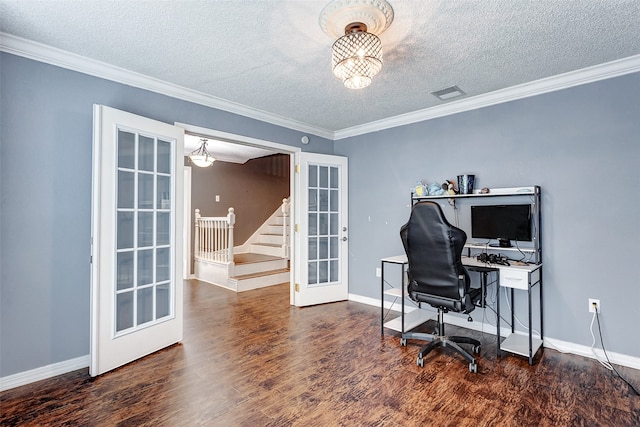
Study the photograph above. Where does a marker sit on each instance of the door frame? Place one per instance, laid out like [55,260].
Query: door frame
[261,143]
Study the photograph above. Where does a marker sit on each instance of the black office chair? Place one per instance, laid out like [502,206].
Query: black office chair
[437,276]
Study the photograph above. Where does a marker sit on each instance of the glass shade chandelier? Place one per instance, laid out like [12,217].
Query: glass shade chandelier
[201,157]
[356,55]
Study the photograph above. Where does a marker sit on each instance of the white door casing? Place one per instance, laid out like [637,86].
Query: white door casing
[137,216]
[322,229]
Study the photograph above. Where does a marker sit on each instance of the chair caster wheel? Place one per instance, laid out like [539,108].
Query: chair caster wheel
[420,362]
[476,349]
[403,342]
[473,368]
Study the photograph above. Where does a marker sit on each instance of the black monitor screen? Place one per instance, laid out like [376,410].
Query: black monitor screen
[501,222]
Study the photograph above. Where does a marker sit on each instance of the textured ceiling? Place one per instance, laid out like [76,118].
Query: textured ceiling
[271,55]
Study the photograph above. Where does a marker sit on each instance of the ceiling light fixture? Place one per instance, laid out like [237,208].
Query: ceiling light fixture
[357,55]
[201,156]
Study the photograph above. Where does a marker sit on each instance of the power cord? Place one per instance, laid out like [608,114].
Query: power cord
[607,364]
[506,297]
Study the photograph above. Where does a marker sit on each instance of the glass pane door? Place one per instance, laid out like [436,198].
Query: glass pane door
[143,291]
[323,225]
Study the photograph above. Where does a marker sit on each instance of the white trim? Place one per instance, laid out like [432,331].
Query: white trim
[50,55]
[71,61]
[550,84]
[44,372]
[487,328]
[237,139]
[186,233]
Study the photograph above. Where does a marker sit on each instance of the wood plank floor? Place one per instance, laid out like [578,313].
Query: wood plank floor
[250,359]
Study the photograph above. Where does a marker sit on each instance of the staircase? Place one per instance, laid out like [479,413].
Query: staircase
[261,261]
[255,270]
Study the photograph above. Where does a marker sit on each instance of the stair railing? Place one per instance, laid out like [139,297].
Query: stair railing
[285,241]
[213,239]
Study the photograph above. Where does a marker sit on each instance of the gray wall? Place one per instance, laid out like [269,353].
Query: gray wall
[581,145]
[45,185]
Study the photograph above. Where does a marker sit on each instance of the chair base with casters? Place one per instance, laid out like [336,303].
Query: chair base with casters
[441,340]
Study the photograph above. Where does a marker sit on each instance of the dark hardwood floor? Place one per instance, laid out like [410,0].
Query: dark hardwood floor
[252,360]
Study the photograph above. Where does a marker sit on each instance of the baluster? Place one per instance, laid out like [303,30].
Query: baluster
[210,239]
[284,228]
[231,219]
[196,244]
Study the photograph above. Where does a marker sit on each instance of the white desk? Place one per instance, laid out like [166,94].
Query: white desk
[518,277]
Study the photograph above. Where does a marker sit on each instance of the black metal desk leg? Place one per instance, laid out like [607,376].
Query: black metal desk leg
[402,296]
[513,313]
[540,301]
[498,316]
[530,329]
[382,298]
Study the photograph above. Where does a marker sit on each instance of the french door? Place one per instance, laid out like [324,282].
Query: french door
[136,273]
[322,218]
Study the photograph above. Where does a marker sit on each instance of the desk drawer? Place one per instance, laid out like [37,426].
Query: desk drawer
[513,278]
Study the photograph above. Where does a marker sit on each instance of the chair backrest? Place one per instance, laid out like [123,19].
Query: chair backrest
[434,248]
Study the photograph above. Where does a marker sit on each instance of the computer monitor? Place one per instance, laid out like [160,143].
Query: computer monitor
[501,222]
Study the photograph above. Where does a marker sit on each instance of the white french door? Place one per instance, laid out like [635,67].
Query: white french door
[322,218]
[136,273]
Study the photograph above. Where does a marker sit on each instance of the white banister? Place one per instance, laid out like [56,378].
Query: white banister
[213,240]
[285,211]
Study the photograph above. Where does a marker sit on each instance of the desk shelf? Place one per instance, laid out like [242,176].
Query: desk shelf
[493,192]
[519,344]
[412,319]
[396,292]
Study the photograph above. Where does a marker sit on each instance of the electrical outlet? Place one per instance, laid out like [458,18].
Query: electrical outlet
[378,272]
[596,302]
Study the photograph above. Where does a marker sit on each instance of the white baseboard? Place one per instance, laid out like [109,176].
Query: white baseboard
[562,346]
[44,372]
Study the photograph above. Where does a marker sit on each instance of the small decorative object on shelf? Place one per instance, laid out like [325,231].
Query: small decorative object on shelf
[465,184]
[449,187]
[420,189]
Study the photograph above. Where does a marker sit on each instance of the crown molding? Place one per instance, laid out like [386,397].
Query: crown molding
[60,58]
[595,73]
[50,55]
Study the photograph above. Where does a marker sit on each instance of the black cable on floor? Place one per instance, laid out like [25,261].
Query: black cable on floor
[608,361]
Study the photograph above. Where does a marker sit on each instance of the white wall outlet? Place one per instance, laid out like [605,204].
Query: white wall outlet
[217,197]
[378,272]
[596,302]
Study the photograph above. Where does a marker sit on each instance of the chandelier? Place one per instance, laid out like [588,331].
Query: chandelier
[201,157]
[356,55]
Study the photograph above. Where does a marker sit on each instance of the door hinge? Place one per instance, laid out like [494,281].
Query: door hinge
[297,287]
[297,168]
[297,228]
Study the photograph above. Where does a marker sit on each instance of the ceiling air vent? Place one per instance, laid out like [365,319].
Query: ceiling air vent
[448,93]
